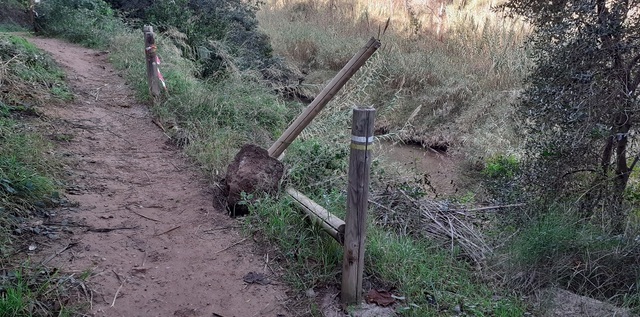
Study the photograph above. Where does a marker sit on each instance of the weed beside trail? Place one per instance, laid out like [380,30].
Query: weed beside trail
[29,180]
[27,167]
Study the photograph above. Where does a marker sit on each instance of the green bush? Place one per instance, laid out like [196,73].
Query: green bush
[500,177]
[89,22]
[316,167]
[215,33]
[501,167]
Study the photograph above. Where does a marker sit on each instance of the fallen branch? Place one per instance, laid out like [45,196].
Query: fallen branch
[231,246]
[495,207]
[146,217]
[174,228]
[117,292]
[69,246]
[102,230]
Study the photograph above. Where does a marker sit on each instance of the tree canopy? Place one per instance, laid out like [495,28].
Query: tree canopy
[580,110]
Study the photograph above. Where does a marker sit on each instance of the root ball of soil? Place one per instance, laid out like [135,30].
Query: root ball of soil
[253,172]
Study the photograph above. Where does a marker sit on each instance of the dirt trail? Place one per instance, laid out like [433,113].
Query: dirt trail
[180,257]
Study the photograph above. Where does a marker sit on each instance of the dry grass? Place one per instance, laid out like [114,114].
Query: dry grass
[451,225]
[447,78]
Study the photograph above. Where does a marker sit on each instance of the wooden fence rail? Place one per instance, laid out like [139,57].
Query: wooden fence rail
[333,225]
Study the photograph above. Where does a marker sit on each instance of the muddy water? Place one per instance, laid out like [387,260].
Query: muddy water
[435,170]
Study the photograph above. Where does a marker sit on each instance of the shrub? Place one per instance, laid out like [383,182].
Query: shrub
[560,249]
[316,167]
[215,32]
[89,22]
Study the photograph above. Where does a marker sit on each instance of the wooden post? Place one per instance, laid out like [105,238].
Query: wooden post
[357,204]
[32,15]
[152,67]
[333,225]
[323,98]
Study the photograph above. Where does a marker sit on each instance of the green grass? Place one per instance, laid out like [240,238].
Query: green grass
[27,167]
[431,279]
[560,248]
[14,301]
[216,117]
[29,180]
[31,77]
[31,291]
[11,27]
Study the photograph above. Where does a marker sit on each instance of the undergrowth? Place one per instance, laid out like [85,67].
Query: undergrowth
[29,179]
[27,167]
[430,279]
[13,16]
[559,248]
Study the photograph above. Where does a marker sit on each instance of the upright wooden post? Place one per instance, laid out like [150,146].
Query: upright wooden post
[32,15]
[152,65]
[357,204]
[303,120]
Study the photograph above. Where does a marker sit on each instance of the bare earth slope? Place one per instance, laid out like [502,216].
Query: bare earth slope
[174,254]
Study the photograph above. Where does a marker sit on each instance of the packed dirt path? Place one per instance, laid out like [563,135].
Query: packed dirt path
[171,253]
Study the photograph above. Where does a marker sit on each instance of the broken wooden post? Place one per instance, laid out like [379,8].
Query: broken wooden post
[150,50]
[323,98]
[333,225]
[357,204]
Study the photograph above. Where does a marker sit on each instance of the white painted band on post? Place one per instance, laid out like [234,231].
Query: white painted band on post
[362,139]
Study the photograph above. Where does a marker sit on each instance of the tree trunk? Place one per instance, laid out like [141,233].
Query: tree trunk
[622,172]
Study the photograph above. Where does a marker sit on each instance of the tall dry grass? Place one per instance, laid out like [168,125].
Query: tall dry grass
[446,75]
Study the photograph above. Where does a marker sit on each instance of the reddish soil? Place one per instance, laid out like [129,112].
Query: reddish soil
[174,254]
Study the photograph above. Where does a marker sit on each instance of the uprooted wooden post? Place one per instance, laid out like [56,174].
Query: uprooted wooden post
[357,205]
[265,170]
[305,118]
[150,51]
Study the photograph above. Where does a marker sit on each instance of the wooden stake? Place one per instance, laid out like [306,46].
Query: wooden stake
[357,204]
[32,15]
[333,225]
[152,67]
[305,118]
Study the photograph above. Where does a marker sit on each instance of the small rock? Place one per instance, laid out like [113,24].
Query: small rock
[310,293]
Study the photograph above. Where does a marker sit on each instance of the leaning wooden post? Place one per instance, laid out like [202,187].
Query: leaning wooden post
[323,98]
[357,204]
[152,66]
